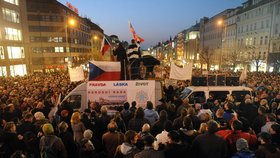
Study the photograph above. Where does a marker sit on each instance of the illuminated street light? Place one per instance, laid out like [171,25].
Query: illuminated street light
[71,22]
[220,22]
[95,37]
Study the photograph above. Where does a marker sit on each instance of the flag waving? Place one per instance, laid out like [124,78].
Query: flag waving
[105,46]
[104,71]
[135,36]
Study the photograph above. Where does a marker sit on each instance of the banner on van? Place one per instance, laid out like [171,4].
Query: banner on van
[115,93]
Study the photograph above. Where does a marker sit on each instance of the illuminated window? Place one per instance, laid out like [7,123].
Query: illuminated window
[2,55]
[3,71]
[18,70]
[15,52]
[13,34]
[10,15]
[58,49]
[15,2]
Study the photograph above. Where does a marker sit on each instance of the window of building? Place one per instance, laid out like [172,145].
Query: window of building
[255,26]
[15,52]
[276,31]
[10,15]
[265,39]
[18,70]
[3,71]
[261,40]
[58,49]
[13,34]
[262,25]
[2,55]
[267,24]
[15,2]
[254,41]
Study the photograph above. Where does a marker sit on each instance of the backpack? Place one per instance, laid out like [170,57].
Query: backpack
[47,148]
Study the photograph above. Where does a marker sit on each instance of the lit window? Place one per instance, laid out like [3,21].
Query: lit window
[3,71]
[10,15]
[13,34]
[15,2]
[58,49]
[15,52]
[18,70]
[2,55]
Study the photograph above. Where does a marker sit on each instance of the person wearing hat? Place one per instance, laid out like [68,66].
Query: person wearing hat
[243,149]
[149,151]
[51,145]
[266,149]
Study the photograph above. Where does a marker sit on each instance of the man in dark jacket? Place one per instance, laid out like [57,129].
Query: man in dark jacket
[149,151]
[209,143]
[120,52]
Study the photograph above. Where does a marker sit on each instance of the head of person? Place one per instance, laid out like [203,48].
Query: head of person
[274,129]
[149,140]
[133,41]
[88,134]
[146,127]
[150,105]
[236,125]
[187,123]
[112,126]
[62,127]
[271,117]
[39,116]
[126,105]
[76,117]
[130,137]
[212,126]
[174,137]
[264,138]
[242,144]
[104,110]
[163,115]
[10,127]
[133,104]
[48,129]
[139,113]
[261,110]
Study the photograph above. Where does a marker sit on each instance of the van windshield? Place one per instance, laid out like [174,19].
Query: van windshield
[240,95]
[185,93]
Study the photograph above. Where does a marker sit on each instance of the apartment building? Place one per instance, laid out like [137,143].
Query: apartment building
[13,59]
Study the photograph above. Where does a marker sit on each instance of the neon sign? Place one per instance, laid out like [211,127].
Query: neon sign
[70,6]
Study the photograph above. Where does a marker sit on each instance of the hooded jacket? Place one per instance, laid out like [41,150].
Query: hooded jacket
[126,150]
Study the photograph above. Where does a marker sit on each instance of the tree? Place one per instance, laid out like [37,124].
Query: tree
[205,57]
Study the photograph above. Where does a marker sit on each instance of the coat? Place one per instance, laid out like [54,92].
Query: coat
[149,153]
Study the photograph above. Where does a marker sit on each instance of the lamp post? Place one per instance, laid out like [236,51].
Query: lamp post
[71,22]
[221,23]
[1,55]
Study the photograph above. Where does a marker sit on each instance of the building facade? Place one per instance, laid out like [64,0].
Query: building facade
[13,55]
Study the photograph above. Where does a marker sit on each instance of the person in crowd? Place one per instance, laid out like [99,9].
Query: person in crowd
[87,149]
[162,138]
[203,144]
[216,106]
[67,139]
[150,114]
[203,128]
[134,56]
[51,145]
[242,148]
[102,121]
[98,148]
[149,151]
[175,147]
[39,121]
[159,125]
[229,114]
[205,109]
[248,110]
[144,132]
[178,122]
[270,120]
[127,149]
[185,105]
[260,120]
[266,149]
[133,107]
[77,126]
[169,93]
[275,134]
[26,124]
[112,139]
[10,140]
[138,121]
[195,120]
[120,122]
[126,114]
[188,133]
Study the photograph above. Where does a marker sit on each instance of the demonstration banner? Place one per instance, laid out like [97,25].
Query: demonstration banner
[115,93]
[76,74]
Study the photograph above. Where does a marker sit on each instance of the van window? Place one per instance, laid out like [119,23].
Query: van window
[197,97]
[75,101]
[221,95]
[239,95]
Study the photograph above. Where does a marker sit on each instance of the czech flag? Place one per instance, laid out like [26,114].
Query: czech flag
[105,45]
[104,71]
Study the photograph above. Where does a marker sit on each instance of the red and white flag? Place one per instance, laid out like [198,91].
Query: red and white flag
[105,45]
[104,71]
[135,36]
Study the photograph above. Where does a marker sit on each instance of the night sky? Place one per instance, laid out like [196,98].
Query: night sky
[153,20]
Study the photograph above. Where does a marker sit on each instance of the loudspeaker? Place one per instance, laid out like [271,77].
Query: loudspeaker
[212,80]
[221,80]
[232,81]
[199,81]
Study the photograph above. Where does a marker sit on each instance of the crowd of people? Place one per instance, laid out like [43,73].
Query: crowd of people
[29,127]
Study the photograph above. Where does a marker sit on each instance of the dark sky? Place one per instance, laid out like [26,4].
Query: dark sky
[153,20]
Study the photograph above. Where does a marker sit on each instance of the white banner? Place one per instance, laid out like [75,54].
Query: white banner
[115,93]
[178,73]
[76,74]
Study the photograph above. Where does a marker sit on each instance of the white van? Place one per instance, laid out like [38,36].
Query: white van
[114,93]
[199,94]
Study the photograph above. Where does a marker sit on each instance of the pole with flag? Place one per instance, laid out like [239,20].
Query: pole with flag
[105,45]
[132,31]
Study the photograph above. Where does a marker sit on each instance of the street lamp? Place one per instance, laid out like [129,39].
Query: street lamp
[221,23]
[71,22]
